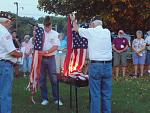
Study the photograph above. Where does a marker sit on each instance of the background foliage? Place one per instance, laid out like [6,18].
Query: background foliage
[128,15]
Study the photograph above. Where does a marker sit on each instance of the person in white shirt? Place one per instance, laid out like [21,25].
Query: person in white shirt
[100,68]
[27,61]
[51,44]
[8,56]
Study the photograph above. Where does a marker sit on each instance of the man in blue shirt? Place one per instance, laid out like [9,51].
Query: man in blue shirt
[61,53]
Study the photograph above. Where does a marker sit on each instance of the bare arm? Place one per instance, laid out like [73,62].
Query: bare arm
[113,46]
[125,48]
[50,51]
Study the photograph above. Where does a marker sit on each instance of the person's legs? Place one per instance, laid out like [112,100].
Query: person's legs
[63,56]
[141,69]
[117,61]
[124,62]
[58,65]
[106,88]
[142,62]
[148,69]
[53,76]
[135,62]
[95,87]
[25,66]
[148,61]
[43,82]
[117,71]
[123,71]
[135,69]
[29,64]
[6,82]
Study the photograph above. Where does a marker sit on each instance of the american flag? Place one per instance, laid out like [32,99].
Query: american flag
[37,58]
[76,51]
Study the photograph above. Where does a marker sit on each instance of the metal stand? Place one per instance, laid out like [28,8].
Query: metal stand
[58,94]
[70,96]
[76,95]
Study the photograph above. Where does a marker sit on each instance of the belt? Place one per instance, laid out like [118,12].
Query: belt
[47,57]
[8,61]
[103,62]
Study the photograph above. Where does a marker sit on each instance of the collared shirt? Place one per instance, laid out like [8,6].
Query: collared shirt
[120,43]
[6,45]
[147,40]
[99,43]
[51,39]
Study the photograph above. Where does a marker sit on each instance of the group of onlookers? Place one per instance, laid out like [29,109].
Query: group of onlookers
[27,44]
[120,44]
[140,52]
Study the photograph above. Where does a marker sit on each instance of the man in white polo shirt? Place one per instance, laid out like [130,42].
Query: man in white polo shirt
[8,56]
[100,69]
[51,44]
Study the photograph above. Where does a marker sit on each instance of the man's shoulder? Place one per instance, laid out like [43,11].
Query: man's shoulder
[4,33]
[54,32]
[106,30]
[3,30]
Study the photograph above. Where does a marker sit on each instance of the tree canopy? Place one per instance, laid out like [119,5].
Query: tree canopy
[128,15]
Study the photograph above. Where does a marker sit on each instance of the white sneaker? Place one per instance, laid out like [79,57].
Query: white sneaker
[24,75]
[60,103]
[148,71]
[44,102]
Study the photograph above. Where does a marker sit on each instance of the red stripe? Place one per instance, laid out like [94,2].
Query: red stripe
[80,59]
[69,46]
[75,52]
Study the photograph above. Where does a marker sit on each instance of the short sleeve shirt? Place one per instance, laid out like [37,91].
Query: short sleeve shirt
[6,45]
[147,40]
[51,39]
[99,43]
[120,43]
[138,44]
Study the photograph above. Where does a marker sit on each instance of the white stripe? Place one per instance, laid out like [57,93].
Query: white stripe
[35,68]
[77,59]
[83,58]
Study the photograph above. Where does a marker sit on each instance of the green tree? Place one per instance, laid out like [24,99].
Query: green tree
[128,15]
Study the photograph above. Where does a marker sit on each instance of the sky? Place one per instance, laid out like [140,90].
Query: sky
[27,8]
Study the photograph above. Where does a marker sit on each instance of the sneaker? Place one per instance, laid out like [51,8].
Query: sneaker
[60,103]
[148,71]
[44,102]
[25,75]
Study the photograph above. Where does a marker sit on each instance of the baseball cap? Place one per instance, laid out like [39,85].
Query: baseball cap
[4,16]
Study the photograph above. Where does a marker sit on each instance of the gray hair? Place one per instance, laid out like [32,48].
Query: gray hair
[139,32]
[97,22]
[27,37]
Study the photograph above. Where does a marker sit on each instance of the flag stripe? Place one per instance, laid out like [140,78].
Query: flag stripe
[76,51]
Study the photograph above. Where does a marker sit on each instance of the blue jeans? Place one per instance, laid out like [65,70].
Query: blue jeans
[27,61]
[6,82]
[50,65]
[100,81]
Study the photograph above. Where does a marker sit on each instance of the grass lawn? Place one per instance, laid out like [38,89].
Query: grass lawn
[129,96]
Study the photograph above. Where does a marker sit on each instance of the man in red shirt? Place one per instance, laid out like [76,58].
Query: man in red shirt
[120,46]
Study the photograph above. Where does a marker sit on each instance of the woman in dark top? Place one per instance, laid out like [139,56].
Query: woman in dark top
[17,45]
[15,39]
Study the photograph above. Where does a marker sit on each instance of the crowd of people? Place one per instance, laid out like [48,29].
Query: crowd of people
[101,52]
[140,53]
